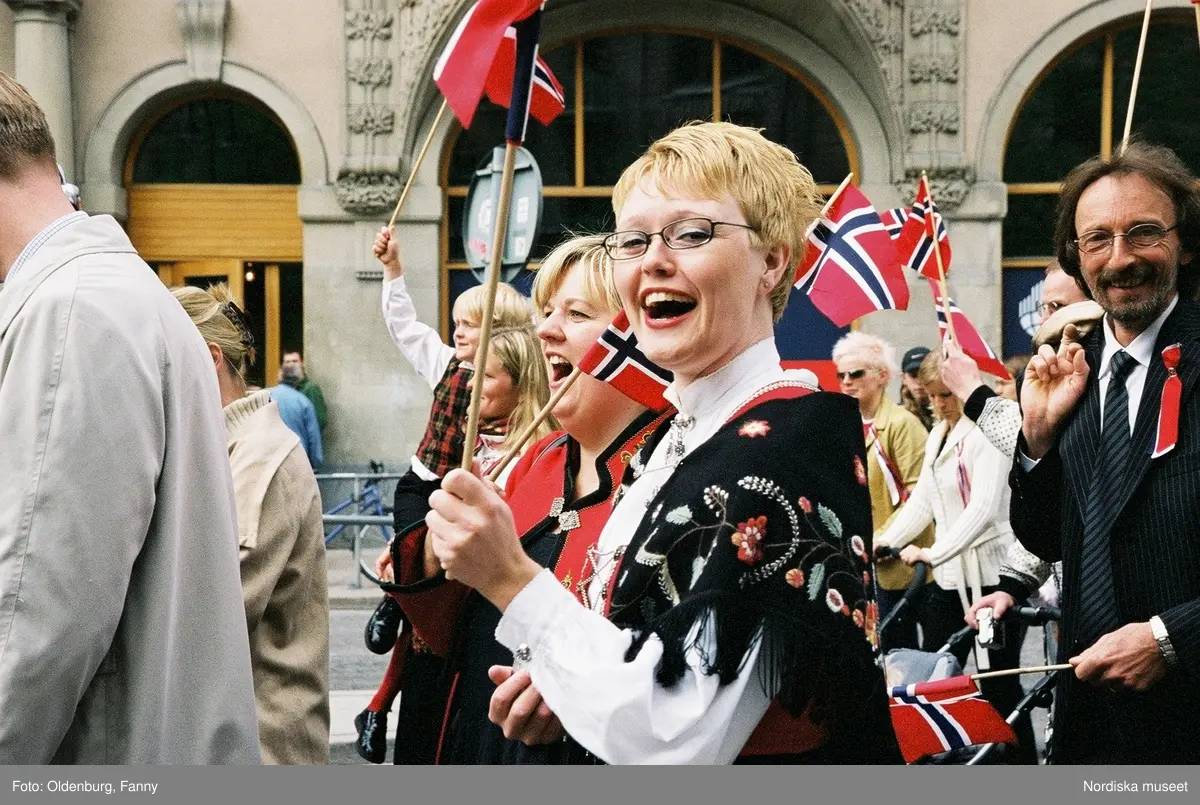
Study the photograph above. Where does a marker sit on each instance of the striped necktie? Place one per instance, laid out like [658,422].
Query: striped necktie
[1097,601]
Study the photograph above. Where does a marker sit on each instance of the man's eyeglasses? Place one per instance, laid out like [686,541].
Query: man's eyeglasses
[1141,236]
[686,234]
[857,374]
[1049,308]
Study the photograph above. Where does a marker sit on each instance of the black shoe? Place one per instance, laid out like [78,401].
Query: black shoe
[372,736]
[383,626]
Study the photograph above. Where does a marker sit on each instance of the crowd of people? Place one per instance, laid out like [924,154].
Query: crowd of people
[700,584]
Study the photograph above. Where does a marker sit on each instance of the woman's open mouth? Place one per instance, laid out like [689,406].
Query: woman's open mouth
[664,306]
[559,368]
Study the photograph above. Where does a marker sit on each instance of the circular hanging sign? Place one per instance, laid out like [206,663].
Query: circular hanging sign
[524,216]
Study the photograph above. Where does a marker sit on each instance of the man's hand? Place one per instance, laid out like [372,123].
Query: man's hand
[383,565]
[999,603]
[517,707]
[959,372]
[1127,659]
[387,250]
[475,540]
[1054,384]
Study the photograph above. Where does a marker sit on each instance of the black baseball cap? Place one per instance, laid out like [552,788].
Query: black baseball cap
[912,359]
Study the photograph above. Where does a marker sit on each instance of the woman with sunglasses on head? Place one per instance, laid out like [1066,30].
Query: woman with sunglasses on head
[895,450]
[727,611]
[560,492]
[963,491]
[281,542]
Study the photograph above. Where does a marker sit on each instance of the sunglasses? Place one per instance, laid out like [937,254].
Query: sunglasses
[857,374]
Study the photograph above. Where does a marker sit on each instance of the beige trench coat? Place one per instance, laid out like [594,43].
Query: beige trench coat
[122,633]
[284,580]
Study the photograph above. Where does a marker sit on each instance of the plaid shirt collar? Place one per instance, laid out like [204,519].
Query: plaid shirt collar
[40,240]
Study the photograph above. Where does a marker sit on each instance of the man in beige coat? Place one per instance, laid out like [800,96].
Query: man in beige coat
[122,634]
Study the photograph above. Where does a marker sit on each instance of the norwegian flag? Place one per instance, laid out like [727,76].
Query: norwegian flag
[616,360]
[893,220]
[934,717]
[546,100]
[850,267]
[915,242]
[463,70]
[968,337]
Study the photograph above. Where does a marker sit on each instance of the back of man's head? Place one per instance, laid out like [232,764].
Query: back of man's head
[25,138]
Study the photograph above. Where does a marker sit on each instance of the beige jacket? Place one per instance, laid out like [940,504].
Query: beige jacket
[901,436]
[283,581]
[122,635]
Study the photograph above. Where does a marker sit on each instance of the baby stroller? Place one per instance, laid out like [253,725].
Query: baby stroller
[938,713]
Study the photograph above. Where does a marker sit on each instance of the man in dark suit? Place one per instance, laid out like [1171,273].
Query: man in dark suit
[1098,481]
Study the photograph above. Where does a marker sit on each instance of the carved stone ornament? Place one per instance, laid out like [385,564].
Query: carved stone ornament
[934,19]
[203,26]
[366,192]
[371,119]
[949,186]
[941,67]
[933,116]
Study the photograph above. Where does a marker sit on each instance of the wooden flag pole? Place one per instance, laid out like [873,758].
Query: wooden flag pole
[937,255]
[829,204]
[1196,6]
[489,301]
[1137,73]
[1036,669]
[417,165]
[514,450]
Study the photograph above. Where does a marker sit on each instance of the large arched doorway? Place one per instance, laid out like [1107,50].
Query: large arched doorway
[212,184]
[623,92]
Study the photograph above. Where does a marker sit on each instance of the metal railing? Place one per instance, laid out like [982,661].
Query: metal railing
[366,510]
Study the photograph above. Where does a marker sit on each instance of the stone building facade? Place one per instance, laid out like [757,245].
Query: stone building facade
[907,85]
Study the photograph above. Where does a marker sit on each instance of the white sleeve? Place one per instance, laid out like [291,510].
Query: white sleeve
[615,708]
[989,479]
[419,343]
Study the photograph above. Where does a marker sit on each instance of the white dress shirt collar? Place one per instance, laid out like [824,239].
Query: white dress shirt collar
[1141,349]
[710,395]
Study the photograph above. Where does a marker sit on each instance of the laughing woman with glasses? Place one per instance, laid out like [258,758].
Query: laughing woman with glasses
[727,613]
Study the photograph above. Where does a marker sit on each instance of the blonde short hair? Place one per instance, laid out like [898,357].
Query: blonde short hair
[509,310]
[520,354]
[930,370]
[870,349]
[210,311]
[24,133]
[586,251]
[777,195]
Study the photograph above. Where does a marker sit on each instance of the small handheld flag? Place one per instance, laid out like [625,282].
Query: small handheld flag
[968,337]
[616,359]
[893,220]
[463,69]
[915,242]
[1167,433]
[935,717]
[850,267]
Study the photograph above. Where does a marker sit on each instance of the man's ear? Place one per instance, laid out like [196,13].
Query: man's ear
[1185,258]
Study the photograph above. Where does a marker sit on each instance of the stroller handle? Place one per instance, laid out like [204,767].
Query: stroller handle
[1038,616]
[920,574]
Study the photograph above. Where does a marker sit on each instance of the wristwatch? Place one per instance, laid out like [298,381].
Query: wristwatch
[1159,630]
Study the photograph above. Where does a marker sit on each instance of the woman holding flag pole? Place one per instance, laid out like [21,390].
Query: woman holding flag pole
[727,609]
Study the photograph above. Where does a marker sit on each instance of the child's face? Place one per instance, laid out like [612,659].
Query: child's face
[500,394]
[466,339]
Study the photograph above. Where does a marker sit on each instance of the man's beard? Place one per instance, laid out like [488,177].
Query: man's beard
[1136,312]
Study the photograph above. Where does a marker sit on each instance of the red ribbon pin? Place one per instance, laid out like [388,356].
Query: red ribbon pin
[1168,411]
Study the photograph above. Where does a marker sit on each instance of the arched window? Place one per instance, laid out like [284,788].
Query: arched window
[623,92]
[215,141]
[1076,110]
